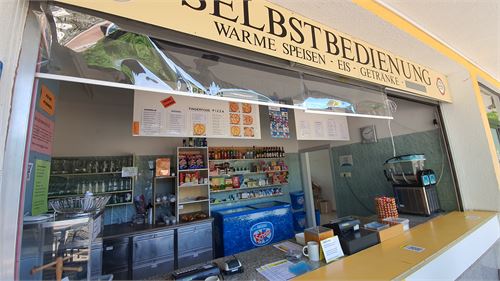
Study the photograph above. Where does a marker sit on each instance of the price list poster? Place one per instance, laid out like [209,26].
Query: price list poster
[41,139]
[193,117]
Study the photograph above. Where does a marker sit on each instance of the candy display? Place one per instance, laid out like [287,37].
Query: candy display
[191,160]
[186,178]
[193,216]
[386,207]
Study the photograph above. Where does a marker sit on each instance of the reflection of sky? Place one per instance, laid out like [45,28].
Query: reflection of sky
[326,103]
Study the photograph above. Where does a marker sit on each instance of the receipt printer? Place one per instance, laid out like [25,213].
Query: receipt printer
[343,226]
[232,266]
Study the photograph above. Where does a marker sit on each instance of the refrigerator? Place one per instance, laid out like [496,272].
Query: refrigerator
[246,227]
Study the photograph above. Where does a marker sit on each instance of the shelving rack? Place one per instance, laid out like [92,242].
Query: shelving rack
[167,204]
[192,198]
[73,176]
[246,173]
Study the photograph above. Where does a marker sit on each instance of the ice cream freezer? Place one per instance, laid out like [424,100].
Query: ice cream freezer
[244,228]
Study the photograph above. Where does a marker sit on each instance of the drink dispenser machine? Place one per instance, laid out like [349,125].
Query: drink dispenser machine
[414,186]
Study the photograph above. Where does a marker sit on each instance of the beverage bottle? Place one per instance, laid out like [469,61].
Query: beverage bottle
[150,212]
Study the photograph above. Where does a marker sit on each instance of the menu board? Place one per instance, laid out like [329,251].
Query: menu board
[313,126]
[193,117]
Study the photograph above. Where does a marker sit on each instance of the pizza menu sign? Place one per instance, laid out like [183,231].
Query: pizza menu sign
[188,117]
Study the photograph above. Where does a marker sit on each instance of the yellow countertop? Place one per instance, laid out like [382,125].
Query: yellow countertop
[388,260]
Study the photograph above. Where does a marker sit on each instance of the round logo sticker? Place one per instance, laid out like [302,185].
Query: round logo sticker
[440,86]
[261,233]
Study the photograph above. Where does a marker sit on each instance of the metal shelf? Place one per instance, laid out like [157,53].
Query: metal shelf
[194,201]
[164,177]
[246,159]
[193,185]
[119,204]
[244,188]
[246,199]
[100,193]
[86,174]
[247,173]
[193,170]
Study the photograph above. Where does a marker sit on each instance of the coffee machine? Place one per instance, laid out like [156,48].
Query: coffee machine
[414,187]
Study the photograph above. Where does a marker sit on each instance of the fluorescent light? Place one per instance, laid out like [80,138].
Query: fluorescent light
[348,114]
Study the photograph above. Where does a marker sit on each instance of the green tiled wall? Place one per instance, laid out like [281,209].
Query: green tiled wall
[368,180]
[125,213]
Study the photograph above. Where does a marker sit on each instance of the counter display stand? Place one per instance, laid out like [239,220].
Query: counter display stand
[72,176]
[193,189]
[246,173]
[164,199]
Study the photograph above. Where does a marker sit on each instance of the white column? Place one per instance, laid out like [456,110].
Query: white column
[12,20]
[478,183]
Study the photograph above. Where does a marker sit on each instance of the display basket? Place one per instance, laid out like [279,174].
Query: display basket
[80,205]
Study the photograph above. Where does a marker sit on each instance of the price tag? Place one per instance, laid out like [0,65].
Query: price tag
[129,172]
[331,248]
[414,248]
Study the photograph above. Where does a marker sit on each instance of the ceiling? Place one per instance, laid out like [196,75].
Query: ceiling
[470,27]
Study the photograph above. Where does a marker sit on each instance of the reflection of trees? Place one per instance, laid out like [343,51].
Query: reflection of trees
[70,24]
[203,64]
[118,46]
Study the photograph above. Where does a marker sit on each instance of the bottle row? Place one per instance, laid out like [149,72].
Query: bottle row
[77,187]
[89,165]
[246,195]
[246,153]
[194,142]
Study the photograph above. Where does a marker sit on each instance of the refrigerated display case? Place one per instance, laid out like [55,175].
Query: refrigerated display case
[244,228]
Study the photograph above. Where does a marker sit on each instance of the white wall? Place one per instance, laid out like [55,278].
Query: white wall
[478,183]
[99,121]
[321,174]
[12,19]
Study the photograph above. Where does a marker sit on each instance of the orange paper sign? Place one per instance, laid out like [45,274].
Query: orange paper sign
[168,102]
[135,128]
[47,101]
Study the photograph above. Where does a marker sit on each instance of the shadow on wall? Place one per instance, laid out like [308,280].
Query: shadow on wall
[355,195]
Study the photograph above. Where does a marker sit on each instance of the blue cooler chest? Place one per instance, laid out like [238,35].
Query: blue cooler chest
[244,228]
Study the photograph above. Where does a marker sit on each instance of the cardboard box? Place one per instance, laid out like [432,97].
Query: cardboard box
[317,234]
[403,221]
[324,206]
[394,230]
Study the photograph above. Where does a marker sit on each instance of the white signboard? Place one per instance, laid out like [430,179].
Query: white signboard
[331,248]
[312,126]
[158,114]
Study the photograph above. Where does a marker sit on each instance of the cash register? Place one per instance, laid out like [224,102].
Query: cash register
[352,238]
[196,273]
